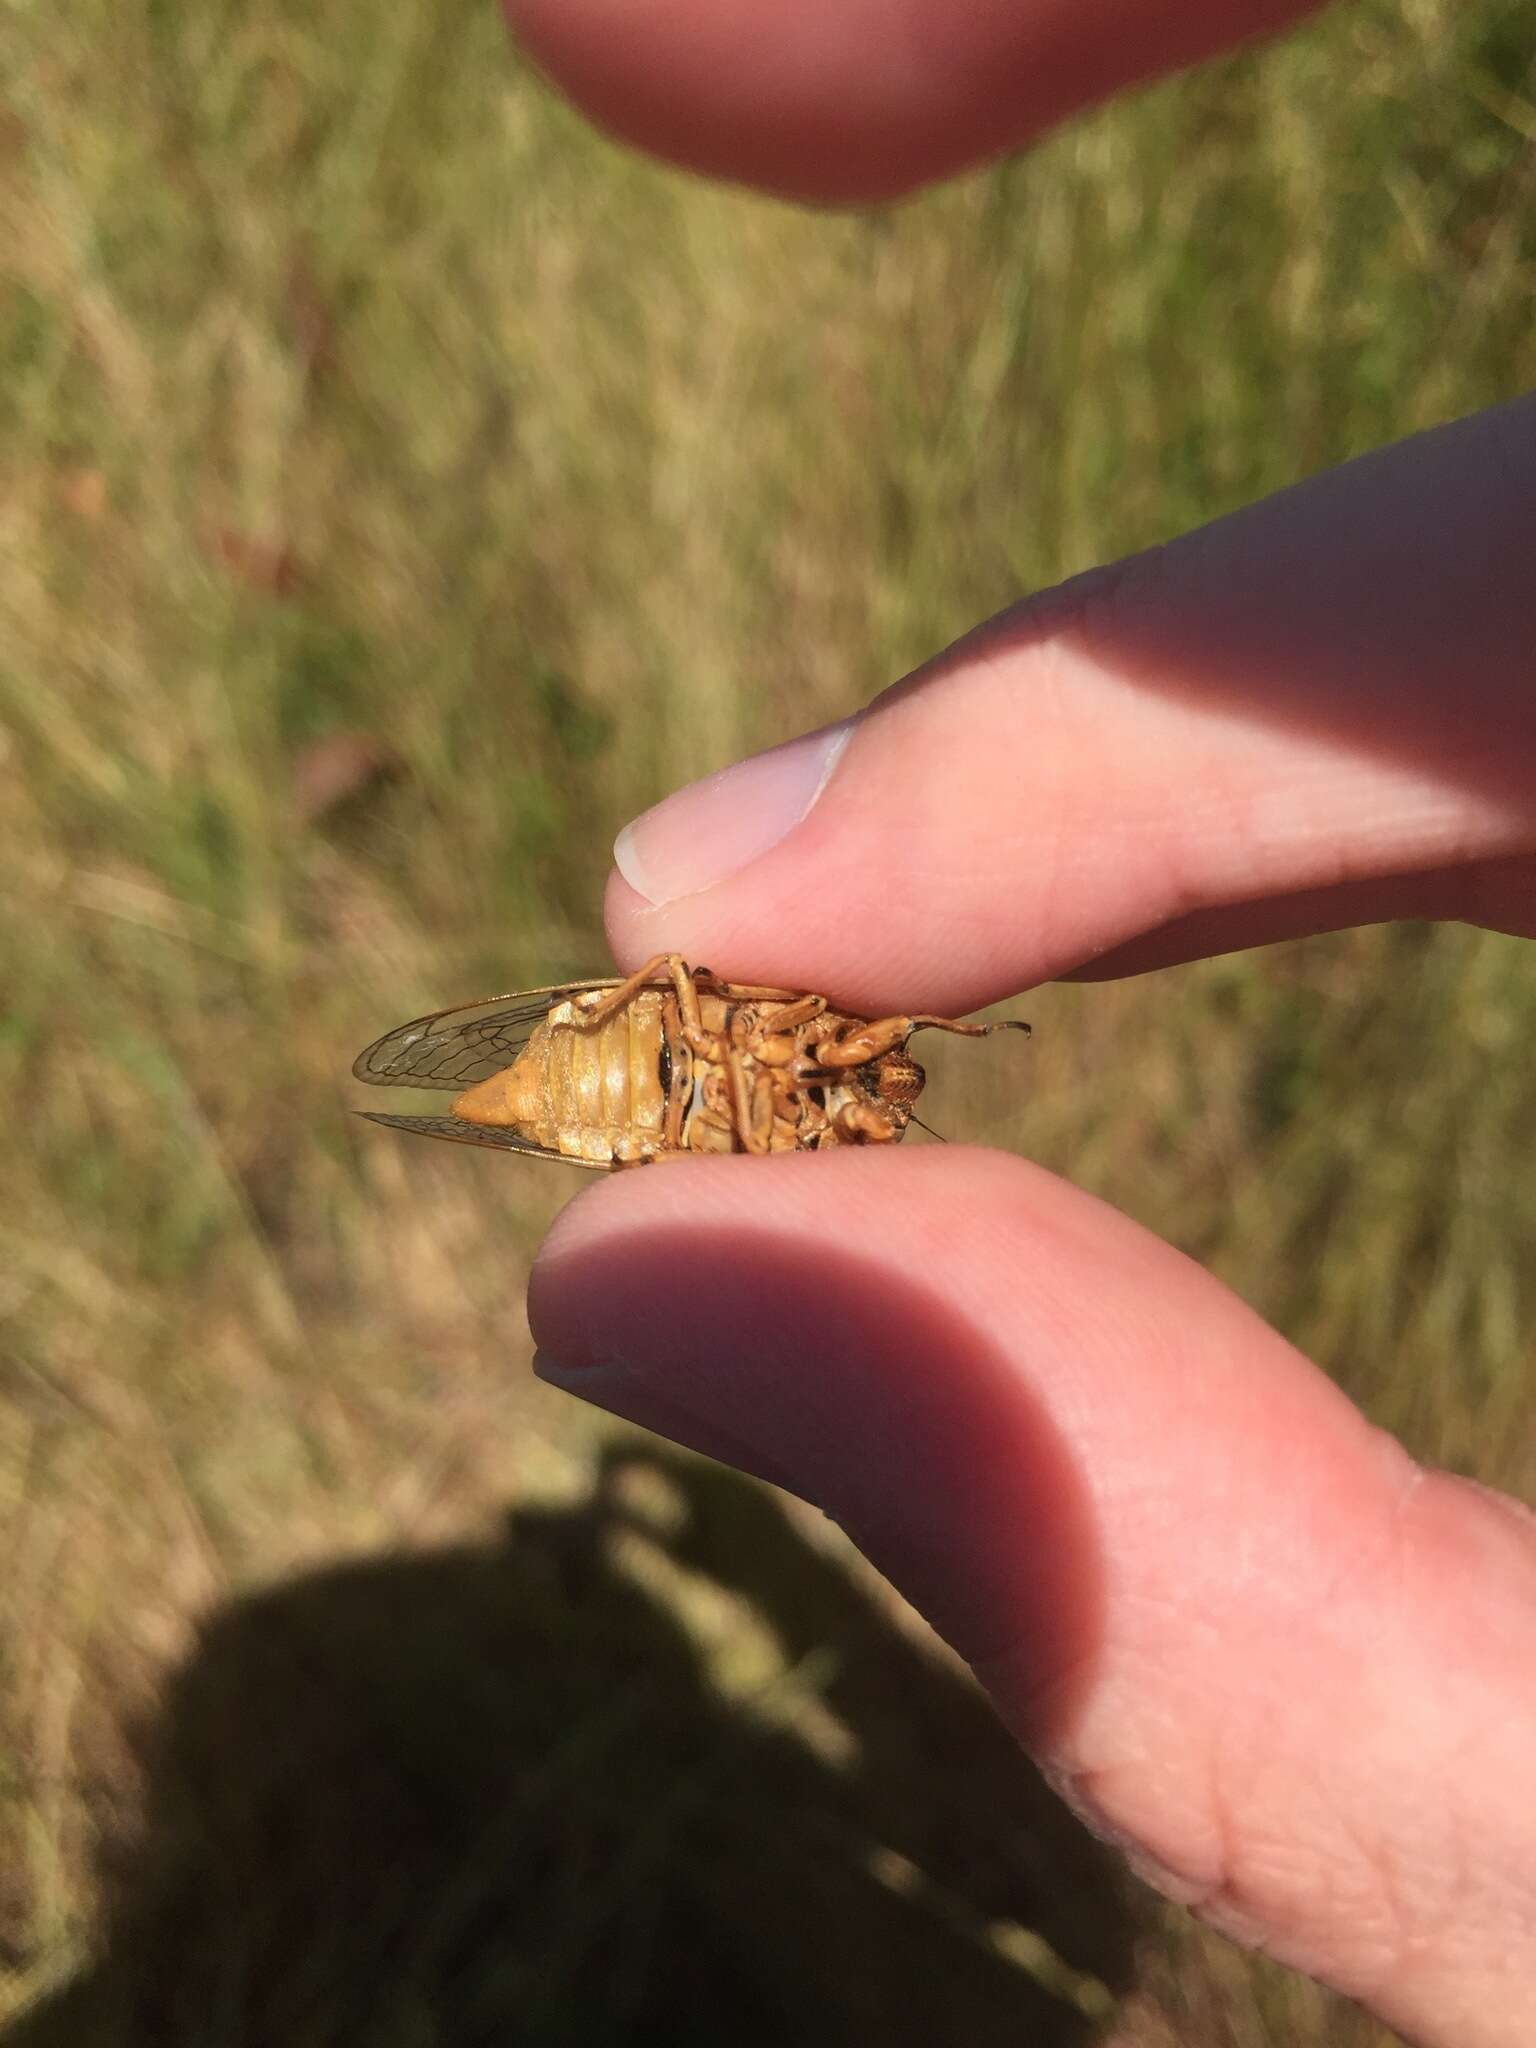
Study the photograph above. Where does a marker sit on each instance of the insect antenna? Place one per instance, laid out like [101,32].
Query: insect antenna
[930,1130]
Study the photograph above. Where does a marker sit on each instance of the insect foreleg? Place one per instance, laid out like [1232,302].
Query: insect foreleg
[969,1030]
[866,1042]
[856,1120]
[793,1015]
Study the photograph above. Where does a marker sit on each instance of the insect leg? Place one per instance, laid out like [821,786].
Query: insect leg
[857,1120]
[747,991]
[764,1110]
[866,1042]
[793,1107]
[709,1045]
[751,1104]
[659,965]
[793,1015]
[616,998]
[969,1030]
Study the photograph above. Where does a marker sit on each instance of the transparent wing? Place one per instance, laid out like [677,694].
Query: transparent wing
[461,1133]
[455,1048]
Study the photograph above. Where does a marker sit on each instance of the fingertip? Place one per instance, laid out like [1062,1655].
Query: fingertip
[568,1307]
[624,913]
[1313,712]
[825,105]
[766,1312]
[864,101]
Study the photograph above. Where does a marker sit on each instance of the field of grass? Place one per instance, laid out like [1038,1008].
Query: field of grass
[400,486]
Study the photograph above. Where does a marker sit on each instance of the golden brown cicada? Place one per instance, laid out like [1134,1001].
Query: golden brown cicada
[670,1062]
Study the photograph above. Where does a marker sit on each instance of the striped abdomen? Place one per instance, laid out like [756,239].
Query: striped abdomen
[586,1094]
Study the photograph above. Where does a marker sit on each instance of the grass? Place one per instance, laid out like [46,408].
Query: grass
[362,416]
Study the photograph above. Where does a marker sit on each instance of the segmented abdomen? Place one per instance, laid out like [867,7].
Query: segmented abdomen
[599,1093]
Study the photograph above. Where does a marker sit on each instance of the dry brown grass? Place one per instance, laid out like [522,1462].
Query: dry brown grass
[349,386]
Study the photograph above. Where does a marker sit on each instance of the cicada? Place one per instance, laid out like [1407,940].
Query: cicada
[670,1062]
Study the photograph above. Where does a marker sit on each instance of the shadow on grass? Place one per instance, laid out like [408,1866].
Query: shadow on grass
[489,1795]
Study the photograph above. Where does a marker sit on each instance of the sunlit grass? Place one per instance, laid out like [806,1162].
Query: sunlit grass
[349,386]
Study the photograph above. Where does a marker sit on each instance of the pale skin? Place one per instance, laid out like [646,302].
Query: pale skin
[1293,1673]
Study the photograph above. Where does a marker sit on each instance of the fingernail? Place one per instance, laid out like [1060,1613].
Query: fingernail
[616,1388]
[695,838]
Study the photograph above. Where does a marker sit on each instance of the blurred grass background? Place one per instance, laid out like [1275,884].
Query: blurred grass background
[400,487]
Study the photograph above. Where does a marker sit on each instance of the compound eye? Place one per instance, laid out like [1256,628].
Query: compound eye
[900,1078]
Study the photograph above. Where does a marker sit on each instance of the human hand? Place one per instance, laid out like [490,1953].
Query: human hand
[1291,1672]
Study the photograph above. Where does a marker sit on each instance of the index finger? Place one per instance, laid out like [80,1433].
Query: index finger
[1319,711]
[867,98]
